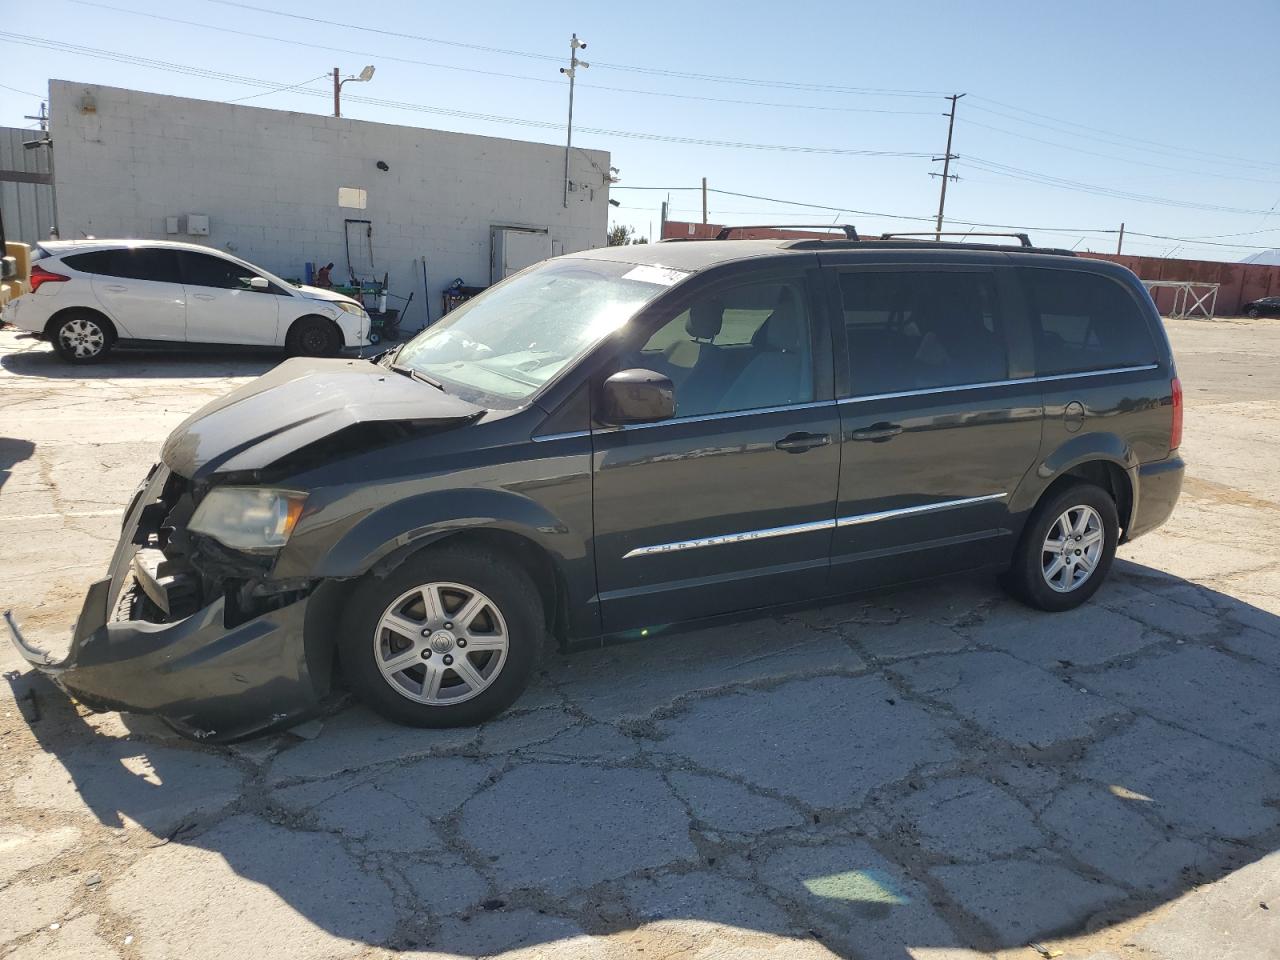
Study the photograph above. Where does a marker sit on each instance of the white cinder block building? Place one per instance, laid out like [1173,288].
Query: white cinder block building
[280,189]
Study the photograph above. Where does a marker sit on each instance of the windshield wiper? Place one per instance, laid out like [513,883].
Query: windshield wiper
[418,375]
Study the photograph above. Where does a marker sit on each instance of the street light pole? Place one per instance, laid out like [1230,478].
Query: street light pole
[571,72]
[365,76]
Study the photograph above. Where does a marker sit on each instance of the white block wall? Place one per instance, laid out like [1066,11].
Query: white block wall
[268,181]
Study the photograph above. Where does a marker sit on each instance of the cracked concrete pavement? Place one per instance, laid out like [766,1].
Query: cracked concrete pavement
[934,773]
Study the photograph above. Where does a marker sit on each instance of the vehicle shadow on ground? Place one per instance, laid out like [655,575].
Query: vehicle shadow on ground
[928,768]
[12,452]
[41,361]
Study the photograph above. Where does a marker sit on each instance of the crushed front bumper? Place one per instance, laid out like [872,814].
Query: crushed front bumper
[208,680]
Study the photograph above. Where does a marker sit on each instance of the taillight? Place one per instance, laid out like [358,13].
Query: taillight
[41,276]
[1175,435]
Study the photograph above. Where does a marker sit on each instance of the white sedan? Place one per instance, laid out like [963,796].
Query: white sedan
[88,295]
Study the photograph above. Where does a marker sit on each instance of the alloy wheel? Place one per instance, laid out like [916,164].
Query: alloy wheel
[441,643]
[1072,548]
[82,338]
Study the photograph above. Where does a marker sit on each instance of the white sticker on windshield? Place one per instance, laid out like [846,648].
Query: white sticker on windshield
[648,273]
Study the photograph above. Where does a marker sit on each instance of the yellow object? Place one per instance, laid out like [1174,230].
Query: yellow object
[20,283]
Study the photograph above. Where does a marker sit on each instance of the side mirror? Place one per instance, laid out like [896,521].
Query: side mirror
[637,396]
[260,284]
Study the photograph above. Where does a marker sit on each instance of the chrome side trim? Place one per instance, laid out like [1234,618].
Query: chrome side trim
[724,538]
[912,511]
[758,411]
[546,437]
[998,383]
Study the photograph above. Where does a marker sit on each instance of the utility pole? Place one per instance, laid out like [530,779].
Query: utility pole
[46,141]
[571,72]
[704,199]
[1120,242]
[946,159]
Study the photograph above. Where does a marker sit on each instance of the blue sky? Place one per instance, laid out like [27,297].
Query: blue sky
[1077,116]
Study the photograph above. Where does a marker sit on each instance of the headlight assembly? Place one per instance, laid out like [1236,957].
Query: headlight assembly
[352,308]
[252,519]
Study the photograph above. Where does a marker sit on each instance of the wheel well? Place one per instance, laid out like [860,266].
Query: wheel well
[532,558]
[1105,474]
[62,314]
[342,342]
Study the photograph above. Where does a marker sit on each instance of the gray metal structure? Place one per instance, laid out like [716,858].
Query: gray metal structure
[26,186]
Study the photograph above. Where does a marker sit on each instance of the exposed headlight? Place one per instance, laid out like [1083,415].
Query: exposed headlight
[354,308]
[252,519]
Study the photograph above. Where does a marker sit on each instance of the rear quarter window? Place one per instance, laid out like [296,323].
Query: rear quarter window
[1084,321]
[99,261]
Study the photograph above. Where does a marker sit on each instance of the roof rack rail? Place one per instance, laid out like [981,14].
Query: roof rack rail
[1026,240]
[850,231]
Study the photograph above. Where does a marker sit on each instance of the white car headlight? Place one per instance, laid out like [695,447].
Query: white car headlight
[252,519]
[353,308]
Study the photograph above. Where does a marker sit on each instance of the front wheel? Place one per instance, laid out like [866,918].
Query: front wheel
[450,638]
[1066,549]
[313,337]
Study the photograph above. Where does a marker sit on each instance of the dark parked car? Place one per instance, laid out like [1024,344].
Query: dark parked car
[1262,307]
[612,444]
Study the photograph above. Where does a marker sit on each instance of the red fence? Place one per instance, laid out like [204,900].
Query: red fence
[1240,282]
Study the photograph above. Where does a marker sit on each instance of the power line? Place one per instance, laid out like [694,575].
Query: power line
[1112,156]
[525,78]
[189,70]
[1065,231]
[26,93]
[266,93]
[1032,176]
[653,71]
[1116,139]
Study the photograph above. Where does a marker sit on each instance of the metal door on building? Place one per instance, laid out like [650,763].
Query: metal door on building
[511,249]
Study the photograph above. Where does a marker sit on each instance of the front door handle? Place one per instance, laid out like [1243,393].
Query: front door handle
[203,296]
[800,442]
[877,432]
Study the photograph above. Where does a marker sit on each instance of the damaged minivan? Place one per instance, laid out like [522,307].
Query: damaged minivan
[617,443]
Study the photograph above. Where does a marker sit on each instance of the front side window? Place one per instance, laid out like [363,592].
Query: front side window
[500,348]
[741,348]
[1084,322]
[919,330]
[202,270]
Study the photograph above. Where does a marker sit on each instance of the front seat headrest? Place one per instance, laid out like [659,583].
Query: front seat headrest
[705,319]
[783,330]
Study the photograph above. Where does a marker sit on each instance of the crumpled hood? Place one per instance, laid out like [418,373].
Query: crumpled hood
[320,293]
[298,403]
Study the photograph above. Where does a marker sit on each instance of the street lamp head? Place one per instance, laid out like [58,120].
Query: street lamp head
[366,73]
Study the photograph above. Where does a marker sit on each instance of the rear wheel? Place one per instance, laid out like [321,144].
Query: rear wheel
[450,638]
[1253,313]
[1066,549]
[81,336]
[313,337]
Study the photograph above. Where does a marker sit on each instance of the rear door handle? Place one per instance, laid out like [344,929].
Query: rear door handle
[117,288]
[800,442]
[877,432]
[203,296]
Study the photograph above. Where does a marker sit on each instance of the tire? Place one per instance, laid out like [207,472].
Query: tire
[1254,313]
[430,690]
[1036,576]
[81,336]
[313,337]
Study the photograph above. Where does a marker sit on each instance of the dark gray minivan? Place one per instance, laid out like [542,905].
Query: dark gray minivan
[615,443]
